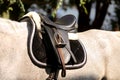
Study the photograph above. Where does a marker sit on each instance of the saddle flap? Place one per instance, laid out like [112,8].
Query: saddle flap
[51,34]
[74,52]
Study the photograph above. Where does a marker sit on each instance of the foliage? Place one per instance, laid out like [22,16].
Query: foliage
[58,5]
[11,7]
[83,6]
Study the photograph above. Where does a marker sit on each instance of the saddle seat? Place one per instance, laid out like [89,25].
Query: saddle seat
[66,23]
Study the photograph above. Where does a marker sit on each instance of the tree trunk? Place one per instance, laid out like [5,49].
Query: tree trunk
[83,19]
[101,12]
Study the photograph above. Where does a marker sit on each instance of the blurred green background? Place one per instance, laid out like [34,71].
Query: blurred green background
[90,14]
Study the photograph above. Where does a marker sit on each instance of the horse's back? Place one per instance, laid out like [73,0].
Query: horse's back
[102,49]
[15,63]
[103,52]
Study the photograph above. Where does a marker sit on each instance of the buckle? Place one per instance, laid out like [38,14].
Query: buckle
[60,43]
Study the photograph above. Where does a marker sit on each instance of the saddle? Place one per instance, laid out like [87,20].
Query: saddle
[57,36]
[61,53]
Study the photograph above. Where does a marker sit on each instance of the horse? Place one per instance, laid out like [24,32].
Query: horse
[102,49]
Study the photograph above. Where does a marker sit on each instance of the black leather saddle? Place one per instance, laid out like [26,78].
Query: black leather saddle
[56,34]
[61,53]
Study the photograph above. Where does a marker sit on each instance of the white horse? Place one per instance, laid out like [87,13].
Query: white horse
[102,47]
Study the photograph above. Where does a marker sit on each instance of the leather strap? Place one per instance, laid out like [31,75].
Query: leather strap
[62,62]
[60,41]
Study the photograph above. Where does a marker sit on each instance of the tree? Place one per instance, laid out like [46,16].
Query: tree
[101,11]
[12,9]
[83,6]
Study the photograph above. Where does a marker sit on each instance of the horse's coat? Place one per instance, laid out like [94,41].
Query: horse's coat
[103,52]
